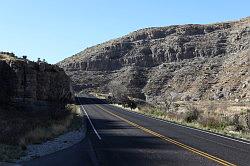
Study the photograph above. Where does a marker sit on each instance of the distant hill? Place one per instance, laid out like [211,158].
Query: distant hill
[178,63]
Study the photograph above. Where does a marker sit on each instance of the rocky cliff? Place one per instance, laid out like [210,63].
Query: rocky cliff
[26,82]
[178,63]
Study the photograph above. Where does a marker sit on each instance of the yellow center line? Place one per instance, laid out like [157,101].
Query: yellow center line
[201,153]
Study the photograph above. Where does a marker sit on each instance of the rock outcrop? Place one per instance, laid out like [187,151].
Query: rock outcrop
[26,82]
[180,62]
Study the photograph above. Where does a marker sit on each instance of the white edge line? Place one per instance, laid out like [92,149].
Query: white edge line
[207,132]
[99,137]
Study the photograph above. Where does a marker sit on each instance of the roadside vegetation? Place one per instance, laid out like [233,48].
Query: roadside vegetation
[232,119]
[20,128]
[232,124]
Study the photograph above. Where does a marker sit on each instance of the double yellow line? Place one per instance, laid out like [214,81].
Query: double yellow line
[196,151]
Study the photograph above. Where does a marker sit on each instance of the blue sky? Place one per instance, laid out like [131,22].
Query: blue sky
[56,29]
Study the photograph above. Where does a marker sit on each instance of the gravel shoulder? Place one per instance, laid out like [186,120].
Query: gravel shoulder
[62,142]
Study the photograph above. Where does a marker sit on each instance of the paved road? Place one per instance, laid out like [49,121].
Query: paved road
[118,137]
[78,155]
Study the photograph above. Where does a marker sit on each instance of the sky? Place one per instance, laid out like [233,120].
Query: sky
[56,29]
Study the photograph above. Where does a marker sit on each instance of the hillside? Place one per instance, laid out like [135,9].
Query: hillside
[179,63]
[25,82]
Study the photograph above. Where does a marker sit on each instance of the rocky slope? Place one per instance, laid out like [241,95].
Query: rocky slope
[177,63]
[25,82]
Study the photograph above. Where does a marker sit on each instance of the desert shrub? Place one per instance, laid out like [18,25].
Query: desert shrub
[132,105]
[153,111]
[191,115]
[72,108]
[236,122]
[129,103]
[241,121]
[248,119]
[213,121]
[158,112]
[210,121]
[173,115]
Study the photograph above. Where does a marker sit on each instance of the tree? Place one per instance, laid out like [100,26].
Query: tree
[24,56]
[120,94]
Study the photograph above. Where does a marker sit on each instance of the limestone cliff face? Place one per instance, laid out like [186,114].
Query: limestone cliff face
[24,81]
[181,62]
[7,82]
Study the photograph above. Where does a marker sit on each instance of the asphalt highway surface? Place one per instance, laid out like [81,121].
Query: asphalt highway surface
[119,137]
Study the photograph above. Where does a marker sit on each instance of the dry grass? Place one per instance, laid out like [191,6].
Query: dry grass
[223,122]
[41,134]
[19,128]
[59,126]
